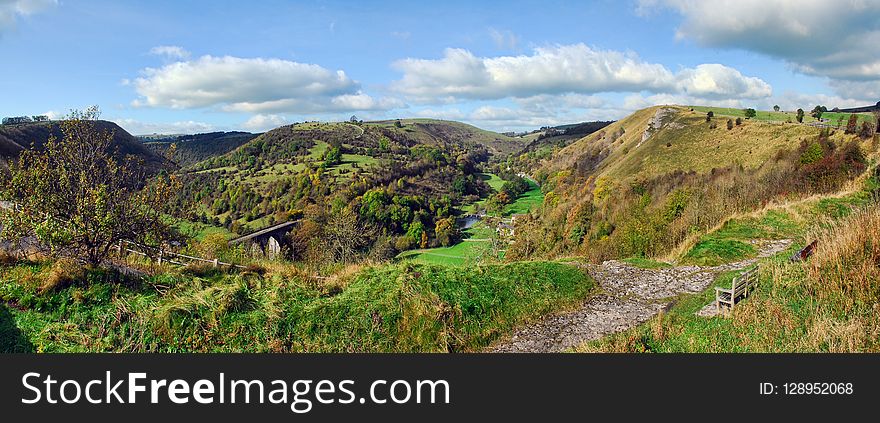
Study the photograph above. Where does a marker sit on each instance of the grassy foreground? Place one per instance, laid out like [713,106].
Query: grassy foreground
[47,307]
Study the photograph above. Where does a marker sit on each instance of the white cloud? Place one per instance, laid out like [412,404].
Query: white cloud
[790,100]
[401,35]
[637,101]
[12,10]
[260,123]
[836,39]
[504,39]
[170,52]
[136,127]
[446,114]
[719,81]
[561,69]
[866,91]
[253,86]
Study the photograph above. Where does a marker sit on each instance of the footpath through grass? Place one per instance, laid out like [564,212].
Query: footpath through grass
[408,307]
[828,303]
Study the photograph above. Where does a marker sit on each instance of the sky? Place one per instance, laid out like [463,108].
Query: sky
[199,66]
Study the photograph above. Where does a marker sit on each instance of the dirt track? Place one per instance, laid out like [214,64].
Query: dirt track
[629,296]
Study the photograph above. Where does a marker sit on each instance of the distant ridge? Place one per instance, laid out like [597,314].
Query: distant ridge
[15,138]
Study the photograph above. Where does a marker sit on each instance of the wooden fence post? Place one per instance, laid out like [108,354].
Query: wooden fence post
[216,262]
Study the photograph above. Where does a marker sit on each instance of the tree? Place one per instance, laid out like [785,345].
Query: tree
[800,115]
[750,113]
[776,108]
[446,231]
[818,111]
[345,236]
[729,124]
[866,131]
[852,124]
[353,119]
[333,156]
[79,199]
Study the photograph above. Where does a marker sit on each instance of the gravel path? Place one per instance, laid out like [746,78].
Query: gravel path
[629,296]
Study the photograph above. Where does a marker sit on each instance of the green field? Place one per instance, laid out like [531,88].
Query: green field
[463,253]
[830,118]
[493,180]
[529,201]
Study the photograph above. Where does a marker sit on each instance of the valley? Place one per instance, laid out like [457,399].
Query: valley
[431,235]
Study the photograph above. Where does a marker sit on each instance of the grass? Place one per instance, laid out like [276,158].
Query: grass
[199,230]
[493,180]
[784,116]
[463,253]
[527,202]
[730,242]
[402,307]
[691,145]
[714,251]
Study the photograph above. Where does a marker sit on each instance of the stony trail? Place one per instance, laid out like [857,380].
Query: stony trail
[629,296]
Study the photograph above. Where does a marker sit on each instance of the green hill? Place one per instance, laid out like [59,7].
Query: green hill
[191,149]
[14,138]
[645,184]
[413,174]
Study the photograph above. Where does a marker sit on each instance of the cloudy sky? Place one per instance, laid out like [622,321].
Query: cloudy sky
[196,66]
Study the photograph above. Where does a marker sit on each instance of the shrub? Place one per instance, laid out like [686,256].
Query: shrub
[812,154]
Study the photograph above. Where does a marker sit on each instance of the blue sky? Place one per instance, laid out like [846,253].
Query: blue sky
[195,66]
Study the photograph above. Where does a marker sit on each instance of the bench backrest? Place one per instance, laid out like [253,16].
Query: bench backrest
[744,281]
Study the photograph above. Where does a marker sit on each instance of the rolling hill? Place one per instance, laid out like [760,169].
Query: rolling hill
[191,149]
[14,138]
[406,179]
[644,185]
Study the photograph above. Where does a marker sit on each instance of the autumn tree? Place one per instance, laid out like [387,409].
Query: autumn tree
[866,131]
[78,197]
[446,231]
[852,125]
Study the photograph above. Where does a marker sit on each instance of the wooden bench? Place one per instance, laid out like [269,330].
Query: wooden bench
[740,287]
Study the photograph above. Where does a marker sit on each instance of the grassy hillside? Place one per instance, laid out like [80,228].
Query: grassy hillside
[405,308]
[828,303]
[191,149]
[404,181]
[14,138]
[434,131]
[644,185]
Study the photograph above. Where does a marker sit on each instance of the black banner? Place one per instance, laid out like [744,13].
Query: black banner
[477,387]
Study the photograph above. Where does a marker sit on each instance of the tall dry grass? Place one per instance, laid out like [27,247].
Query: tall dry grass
[846,266]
